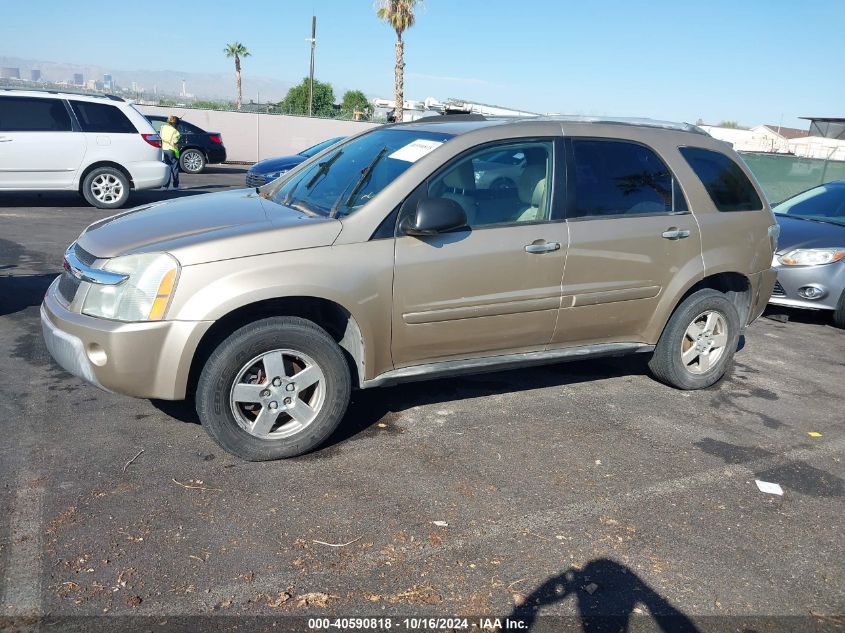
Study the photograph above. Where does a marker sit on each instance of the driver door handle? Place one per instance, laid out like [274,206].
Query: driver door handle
[675,234]
[542,247]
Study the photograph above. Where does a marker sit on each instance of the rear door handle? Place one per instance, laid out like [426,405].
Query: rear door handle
[675,234]
[542,247]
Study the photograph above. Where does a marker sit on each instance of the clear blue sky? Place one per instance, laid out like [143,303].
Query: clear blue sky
[754,61]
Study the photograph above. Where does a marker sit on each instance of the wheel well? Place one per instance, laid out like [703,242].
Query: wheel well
[332,317]
[735,286]
[105,163]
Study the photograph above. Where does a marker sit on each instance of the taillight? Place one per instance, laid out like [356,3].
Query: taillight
[152,139]
[215,138]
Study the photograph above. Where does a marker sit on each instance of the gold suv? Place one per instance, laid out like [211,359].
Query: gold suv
[420,250]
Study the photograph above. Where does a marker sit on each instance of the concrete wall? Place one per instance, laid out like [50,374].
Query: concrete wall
[251,137]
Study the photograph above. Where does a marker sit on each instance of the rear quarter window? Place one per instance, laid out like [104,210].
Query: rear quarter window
[103,118]
[728,186]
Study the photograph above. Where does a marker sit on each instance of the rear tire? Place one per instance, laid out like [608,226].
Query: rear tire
[192,161]
[839,312]
[245,390]
[698,344]
[106,188]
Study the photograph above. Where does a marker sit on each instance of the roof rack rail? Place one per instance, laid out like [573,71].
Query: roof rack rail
[639,122]
[53,91]
[447,118]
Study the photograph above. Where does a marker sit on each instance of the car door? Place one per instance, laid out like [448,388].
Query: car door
[631,234]
[492,287]
[39,148]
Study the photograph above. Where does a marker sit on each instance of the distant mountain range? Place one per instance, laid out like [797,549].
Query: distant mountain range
[163,82]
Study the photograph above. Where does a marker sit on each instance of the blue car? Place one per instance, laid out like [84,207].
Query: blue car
[269,169]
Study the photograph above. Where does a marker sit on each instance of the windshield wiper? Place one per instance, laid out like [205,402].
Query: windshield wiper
[322,170]
[366,174]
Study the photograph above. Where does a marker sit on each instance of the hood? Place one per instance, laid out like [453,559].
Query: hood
[795,233]
[275,164]
[209,227]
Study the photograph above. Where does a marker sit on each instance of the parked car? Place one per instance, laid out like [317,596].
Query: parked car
[378,261]
[269,169]
[197,148]
[101,147]
[810,260]
[502,170]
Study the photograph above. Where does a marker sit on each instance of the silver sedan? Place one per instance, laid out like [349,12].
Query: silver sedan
[810,258]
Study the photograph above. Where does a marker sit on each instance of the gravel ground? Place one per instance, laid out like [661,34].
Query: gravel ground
[576,489]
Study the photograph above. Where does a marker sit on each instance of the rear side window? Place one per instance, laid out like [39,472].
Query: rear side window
[100,117]
[622,178]
[727,184]
[25,114]
[187,128]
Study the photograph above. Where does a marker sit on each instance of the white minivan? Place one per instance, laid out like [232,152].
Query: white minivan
[100,146]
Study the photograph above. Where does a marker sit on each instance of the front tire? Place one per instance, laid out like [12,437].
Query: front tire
[275,388]
[192,161]
[698,344]
[106,188]
[839,312]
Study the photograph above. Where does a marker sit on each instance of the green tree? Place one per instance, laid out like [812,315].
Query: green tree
[237,50]
[732,124]
[399,14]
[355,101]
[296,100]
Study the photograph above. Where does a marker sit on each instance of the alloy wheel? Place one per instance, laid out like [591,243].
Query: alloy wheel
[704,342]
[278,394]
[107,188]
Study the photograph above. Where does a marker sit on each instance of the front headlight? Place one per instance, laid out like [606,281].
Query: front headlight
[143,296]
[811,256]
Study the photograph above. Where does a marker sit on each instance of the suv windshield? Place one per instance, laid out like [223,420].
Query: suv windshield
[344,180]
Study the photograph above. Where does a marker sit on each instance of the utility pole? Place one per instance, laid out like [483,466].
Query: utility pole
[313,41]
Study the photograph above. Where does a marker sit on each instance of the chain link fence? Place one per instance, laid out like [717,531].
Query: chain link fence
[782,176]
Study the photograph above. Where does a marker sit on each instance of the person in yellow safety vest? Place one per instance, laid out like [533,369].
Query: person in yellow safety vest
[170,145]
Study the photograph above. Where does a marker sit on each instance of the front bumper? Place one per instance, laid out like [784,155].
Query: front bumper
[144,360]
[830,277]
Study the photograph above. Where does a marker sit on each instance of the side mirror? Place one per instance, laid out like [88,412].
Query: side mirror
[434,215]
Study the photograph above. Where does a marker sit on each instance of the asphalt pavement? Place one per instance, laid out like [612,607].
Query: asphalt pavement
[576,489]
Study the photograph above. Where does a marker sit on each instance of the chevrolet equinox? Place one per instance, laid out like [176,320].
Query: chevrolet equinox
[392,257]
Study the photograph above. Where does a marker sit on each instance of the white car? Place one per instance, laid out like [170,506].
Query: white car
[100,146]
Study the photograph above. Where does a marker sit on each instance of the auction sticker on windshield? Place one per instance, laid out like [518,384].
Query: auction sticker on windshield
[415,150]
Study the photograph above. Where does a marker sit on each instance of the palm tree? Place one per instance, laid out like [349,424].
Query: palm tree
[399,14]
[237,50]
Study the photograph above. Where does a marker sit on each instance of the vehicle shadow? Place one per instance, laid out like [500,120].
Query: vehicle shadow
[67,199]
[19,292]
[608,594]
[370,406]
[783,314]
[227,169]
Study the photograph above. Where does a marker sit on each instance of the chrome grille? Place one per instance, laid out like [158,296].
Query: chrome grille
[68,284]
[254,180]
[778,290]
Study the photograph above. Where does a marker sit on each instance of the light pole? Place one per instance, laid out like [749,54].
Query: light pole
[313,41]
